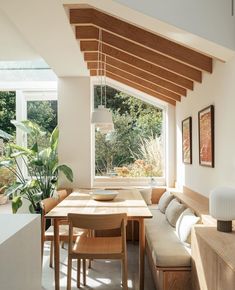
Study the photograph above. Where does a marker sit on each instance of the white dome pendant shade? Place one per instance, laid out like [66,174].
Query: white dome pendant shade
[101,115]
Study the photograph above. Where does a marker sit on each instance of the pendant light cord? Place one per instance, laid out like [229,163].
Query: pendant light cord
[105,90]
[100,65]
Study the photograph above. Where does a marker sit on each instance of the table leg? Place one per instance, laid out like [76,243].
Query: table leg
[57,254]
[141,252]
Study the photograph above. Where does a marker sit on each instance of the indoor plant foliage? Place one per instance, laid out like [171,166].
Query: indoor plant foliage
[42,168]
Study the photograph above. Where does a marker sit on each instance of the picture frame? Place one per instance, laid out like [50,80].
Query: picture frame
[206,136]
[187,140]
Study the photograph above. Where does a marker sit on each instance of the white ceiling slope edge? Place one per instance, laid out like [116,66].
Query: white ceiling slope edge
[45,26]
[184,37]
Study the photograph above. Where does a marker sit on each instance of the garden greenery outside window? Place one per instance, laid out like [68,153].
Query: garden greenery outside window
[135,149]
[43,113]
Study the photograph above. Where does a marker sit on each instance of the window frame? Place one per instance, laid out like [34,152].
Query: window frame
[118,181]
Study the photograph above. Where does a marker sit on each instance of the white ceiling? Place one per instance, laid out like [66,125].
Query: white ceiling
[45,26]
[210,19]
[33,29]
[12,44]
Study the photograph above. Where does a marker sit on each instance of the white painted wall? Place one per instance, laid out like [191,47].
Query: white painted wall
[218,89]
[170,147]
[20,252]
[74,112]
[210,19]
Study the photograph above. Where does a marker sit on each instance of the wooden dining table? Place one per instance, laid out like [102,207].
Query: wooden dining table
[80,201]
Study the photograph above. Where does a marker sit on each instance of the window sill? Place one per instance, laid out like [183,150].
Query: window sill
[103,181]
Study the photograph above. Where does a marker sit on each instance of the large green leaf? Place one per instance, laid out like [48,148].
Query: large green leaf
[17,154]
[34,147]
[14,188]
[45,156]
[21,149]
[21,126]
[54,139]
[29,127]
[67,171]
[16,203]
[6,163]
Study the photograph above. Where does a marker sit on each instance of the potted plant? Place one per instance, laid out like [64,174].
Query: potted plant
[42,168]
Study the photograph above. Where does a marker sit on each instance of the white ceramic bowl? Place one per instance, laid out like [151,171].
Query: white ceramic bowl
[104,195]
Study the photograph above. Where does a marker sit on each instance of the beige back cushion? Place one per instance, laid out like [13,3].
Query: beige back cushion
[147,195]
[184,224]
[173,211]
[165,199]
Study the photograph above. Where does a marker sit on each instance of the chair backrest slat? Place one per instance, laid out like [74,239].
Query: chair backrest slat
[97,221]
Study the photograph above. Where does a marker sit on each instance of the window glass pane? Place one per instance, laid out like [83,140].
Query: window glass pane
[136,147]
[43,113]
[7,132]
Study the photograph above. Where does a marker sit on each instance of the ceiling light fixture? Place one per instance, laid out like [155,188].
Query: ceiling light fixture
[102,117]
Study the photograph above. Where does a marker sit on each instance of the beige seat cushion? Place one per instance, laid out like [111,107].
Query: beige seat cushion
[167,250]
[173,211]
[165,199]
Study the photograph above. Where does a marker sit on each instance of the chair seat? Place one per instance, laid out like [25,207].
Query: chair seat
[98,245]
[63,232]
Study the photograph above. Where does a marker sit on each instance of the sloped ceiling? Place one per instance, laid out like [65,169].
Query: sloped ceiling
[137,57]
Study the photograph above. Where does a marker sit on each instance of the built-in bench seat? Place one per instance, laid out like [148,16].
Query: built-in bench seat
[169,258]
[165,247]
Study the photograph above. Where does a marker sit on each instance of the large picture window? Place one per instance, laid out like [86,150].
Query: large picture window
[135,149]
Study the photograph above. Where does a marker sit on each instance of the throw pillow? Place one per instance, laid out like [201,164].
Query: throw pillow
[147,195]
[184,224]
[173,211]
[165,199]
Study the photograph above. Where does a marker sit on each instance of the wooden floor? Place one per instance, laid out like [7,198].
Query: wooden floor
[104,274]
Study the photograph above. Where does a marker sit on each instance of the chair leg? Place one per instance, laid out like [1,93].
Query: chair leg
[51,254]
[84,271]
[89,264]
[124,273]
[69,272]
[78,272]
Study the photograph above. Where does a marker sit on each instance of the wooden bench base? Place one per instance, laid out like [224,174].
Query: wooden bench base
[169,278]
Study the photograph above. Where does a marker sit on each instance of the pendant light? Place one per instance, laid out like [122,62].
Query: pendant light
[102,117]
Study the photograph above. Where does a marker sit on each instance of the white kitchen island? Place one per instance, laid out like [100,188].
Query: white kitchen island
[20,252]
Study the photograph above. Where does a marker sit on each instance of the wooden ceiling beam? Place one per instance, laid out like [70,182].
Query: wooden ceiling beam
[141,36]
[136,79]
[144,54]
[135,86]
[141,65]
[139,73]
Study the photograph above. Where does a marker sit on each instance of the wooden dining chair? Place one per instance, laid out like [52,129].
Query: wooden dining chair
[48,234]
[88,246]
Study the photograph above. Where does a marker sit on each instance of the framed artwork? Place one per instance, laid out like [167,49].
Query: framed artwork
[187,140]
[206,136]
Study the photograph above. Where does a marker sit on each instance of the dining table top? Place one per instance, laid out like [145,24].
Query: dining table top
[127,201]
